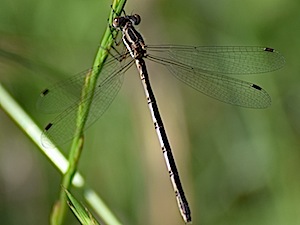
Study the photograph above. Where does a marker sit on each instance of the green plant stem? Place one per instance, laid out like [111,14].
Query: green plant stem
[60,207]
[29,127]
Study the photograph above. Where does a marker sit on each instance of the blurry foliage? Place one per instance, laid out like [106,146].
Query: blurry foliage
[239,166]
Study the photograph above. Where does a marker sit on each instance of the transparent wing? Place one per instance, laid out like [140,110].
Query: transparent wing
[222,59]
[206,68]
[223,88]
[64,94]
[63,127]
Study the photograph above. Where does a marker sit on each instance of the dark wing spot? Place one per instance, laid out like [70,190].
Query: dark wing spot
[256,87]
[49,125]
[269,49]
[44,92]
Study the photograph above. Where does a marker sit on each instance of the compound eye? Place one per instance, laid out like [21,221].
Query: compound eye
[116,22]
[136,19]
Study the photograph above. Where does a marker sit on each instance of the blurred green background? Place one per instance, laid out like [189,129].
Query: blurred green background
[238,166]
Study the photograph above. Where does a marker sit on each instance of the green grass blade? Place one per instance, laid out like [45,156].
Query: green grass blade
[54,155]
[60,207]
[82,213]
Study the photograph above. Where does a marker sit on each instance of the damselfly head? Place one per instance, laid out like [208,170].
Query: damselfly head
[118,22]
[121,21]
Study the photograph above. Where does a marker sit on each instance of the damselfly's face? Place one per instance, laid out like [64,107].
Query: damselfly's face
[121,21]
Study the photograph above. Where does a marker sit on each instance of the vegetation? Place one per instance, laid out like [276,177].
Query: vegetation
[238,166]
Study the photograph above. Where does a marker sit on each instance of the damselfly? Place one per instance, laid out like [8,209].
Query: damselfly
[205,69]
